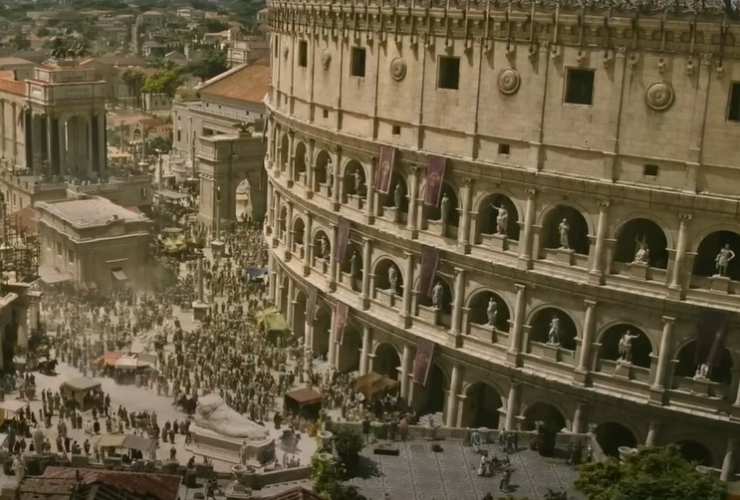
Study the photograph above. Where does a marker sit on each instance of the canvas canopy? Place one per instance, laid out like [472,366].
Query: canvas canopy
[374,384]
[129,441]
[304,397]
[80,384]
[272,321]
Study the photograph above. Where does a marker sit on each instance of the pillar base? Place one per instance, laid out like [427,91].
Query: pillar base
[405,321]
[454,340]
[365,303]
[335,206]
[676,293]
[306,270]
[596,278]
[333,286]
[658,396]
[289,183]
[414,233]
[524,263]
[581,377]
[464,247]
[200,310]
[514,358]
[370,219]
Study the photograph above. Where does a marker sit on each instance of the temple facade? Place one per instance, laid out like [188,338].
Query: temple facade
[522,213]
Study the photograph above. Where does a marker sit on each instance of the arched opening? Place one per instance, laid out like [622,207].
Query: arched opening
[720,369]
[545,413]
[611,436]
[497,214]
[321,331]
[440,300]
[351,266]
[299,165]
[714,249]
[299,235]
[321,247]
[386,361]
[553,326]
[244,206]
[354,181]
[642,241]
[627,344]
[396,201]
[489,309]
[565,228]
[430,399]
[299,315]
[349,349]
[284,152]
[446,212]
[321,173]
[695,452]
[482,404]
[388,277]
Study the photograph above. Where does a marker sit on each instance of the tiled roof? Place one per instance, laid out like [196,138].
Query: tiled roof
[141,485]
[243,83]
[11,86]
[295,494]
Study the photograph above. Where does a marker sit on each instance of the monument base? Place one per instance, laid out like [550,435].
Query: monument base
[200,310]
[217,247]
[228,449]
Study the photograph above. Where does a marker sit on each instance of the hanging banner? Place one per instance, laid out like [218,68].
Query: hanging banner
[434,179]
[429,263]
[341,312]
[385,169]
[311,305]
[423,361]
[340,249]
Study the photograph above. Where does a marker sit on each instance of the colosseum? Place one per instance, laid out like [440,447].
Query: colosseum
[520,212]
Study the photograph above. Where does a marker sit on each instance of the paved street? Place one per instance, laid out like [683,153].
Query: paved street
[418,473]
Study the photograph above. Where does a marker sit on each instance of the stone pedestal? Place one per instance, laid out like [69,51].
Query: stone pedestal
[355,201]
[225,448]
[200,310]
[551,352]
[638,270]
[322,264]
[702,386]
[623,370]
[392,214]
[499,241]
[565,256]
[720,283]
[217,247]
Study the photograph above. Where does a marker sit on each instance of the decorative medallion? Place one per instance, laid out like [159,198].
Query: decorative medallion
[659,96]
[398,69]
[509,81]
[325,60]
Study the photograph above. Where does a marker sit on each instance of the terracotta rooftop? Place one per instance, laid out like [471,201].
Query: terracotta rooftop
[295,494]
[248,83]
[89,212]
[9,84]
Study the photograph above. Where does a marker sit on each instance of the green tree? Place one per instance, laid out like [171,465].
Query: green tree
[162,82]
[327,476]
[42,32]
[348,445]
[653,473]
[215,26]
[213,64]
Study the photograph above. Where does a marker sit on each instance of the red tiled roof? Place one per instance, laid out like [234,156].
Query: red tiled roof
[12,86]
[159,486]
[295,494]
[248,83]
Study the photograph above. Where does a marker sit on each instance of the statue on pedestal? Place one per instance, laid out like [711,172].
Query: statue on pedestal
[354,265]
[722,259]
[642,254]
[444,207]
[563,231]
[359,183]
[393,279]
[492,312]
[702,372]
[398,196]
[323,247]
[553,334]
[437,295]
[502,221]
[625,347]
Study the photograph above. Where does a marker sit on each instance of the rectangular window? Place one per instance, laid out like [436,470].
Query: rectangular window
[357,66]
[302,53]
[734,111]
[650,170]
[325,113]
[504,149]
[396,130]
[448,76]
[579,86]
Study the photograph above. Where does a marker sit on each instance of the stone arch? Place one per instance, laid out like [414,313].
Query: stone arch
[694,451]
[397,182]
[445,308]
[431,398]
[321,245]
[387,360]
[453,215]
[641,346]
[382,278]
[552,417]
[478,306]
[578,233]
[322,167]
[708,249]
[487,214]
[612,435]
[637,231]
[284,152]
[353,259]
[322,330]
[299,165]
[690,356]
[299,231]
[481,407]
[354,180]
[539,326]
[245,206]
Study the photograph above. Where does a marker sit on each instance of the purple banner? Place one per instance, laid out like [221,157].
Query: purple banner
[340,321]
[340,248]
[434,179]
[423,361]
[385,169]
[429,263]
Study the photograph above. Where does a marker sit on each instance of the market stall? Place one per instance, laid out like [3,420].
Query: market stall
[305,402]
[374,385]
[129,445]
[81,392]
[130,369]
[271,322]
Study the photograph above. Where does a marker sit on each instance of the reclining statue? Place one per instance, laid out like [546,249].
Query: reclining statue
[214,414]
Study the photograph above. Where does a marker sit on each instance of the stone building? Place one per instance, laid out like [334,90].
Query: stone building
[93,241]
[535,202]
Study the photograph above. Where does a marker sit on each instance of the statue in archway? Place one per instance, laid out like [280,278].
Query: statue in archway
[398,196]
[722,259]
[553,334]
[625,347]
[437,295]
[354,265]
[502,220]
[359,182]
[563,232]
[444,207]
[323,247]
[642,254]
[702,372]
[393,279]
[492,312]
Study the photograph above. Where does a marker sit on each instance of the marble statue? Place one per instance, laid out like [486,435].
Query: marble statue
[354,265]
[444,208]
[723,259]
[702,372]
[553,334]
[393,280]
[213,414]
[398,196]
[437,295]
[625,347]
[563,231]
[502,220]
[324,247]
[492,312]
[358,182]
[642,254]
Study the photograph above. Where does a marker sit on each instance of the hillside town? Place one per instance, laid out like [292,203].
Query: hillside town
[349,250]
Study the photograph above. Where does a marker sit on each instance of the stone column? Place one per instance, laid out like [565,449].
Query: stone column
[271,267]
[652,434]
[2,128]
[289,306]
[337,182]
[577,426]
[332,354]
[370,189]
[14,130]
[366,271]
[365,352]
[279,294]
[291,157]
[413,193]
[333,264]
[525,252]
[405,371]
[512,406]
[270,211]
[455,379]
[728,463]
[463,235]
[289,228]
[91,122]
[677,285]
[408,285]
[308,242]
[584,358]
[665,355]
[309,168]
[597,265]
[515,339]
[308,345]
[457,305]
